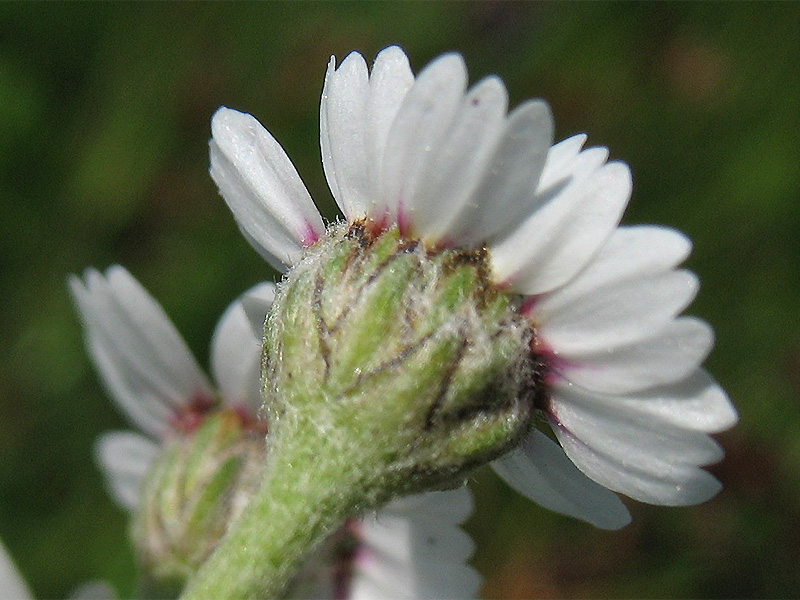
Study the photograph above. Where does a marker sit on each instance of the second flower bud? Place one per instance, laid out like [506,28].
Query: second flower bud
[403,359]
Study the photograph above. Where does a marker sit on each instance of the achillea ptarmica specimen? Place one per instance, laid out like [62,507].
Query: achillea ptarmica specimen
[616,371]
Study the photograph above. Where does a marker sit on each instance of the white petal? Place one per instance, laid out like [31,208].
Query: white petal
[506,194]
[696,402]
[457,163]
[640,448]
[607,317]
[631,253]
[414,549]
[625,293]
[12,585]
[560,162]
[450,506]
[390,80]
[125,459]
[138,401]
[540,470]
[93,590]
[141,358]
[236,347]
[425,115]
[262,188]
[356,113]
[325,133]
[666,356]
[578,204]
[343,137]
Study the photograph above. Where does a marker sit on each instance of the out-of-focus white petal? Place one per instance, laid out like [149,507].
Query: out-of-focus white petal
[610,316]
[577,205]
[262,188]
[667,355]
[444,195]
[236,347]
[12,585]
[414,548]
[343,136]
[132,394]
[506,193]
[540,470]
[425,115]
[141,358]
[641,445]
[93,590]
[449,506]
[125,457]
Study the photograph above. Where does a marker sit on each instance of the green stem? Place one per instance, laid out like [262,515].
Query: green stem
[300,502]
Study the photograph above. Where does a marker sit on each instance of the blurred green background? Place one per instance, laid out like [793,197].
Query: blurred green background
[104,112]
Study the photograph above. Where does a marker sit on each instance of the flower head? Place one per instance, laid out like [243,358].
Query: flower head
[151,374]
[619,383]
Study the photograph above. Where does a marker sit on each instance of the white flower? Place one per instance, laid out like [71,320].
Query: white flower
[625,395]
[151,373]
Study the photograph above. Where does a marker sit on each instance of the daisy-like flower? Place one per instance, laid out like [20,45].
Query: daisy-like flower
[623,403]
[412,548]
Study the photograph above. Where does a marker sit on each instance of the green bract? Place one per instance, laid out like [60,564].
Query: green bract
[405,362]
[389,368]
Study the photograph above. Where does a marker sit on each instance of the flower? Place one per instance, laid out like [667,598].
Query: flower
[626,402]
[152,375]
[412,548]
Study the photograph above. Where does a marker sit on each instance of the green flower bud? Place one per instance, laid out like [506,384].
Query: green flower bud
[406,361]
[196,489]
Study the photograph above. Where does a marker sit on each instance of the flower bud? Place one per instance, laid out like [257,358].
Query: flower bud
[404,360]
[195,490]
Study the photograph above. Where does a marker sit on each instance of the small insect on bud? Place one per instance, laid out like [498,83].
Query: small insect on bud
[195,490]
[406,360]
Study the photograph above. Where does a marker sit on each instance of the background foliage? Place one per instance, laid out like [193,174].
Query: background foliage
[104,112]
